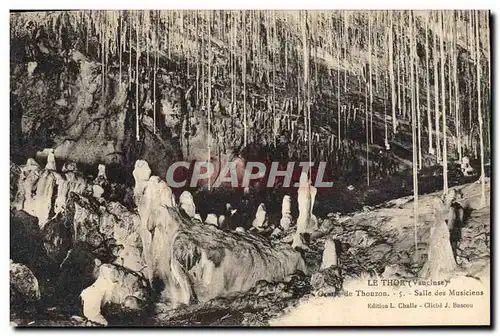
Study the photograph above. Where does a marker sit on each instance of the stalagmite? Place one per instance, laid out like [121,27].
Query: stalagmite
[27,179]
[465,166]
[141,174]
[212,219]
[186,203]
[440,260]
[328,280]
[198,217]
[305,221]
[51,160]
[101,175]
[329,254]
[286,213]
[260,222]
[222,220]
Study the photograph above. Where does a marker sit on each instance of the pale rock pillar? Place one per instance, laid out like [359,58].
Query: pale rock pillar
[306,222]
[286,213]
[186,203]
[51,160]
[260,222]
[329,254]
[141,174]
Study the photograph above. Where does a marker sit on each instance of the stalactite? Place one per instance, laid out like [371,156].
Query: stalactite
[306,88]
[244,75]
[102,50]
[155,65]
[137,53]
[398,63]
[120,52]
[130,54]
[338,90]
[391,74]
[449,54]
[369,79]
[436,95]
[197,57]
[480,112]
[274,76]
[471,72]
[443,103]
[419,125]
[457,91]
[346,42]
[209,97]
[413,133]
[428,86]
[375,47]
[404,65]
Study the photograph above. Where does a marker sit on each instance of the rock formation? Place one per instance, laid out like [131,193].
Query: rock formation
[69,167]
[440,260]
[115,285]
[328,280]
[23,284]
[51,160]
[36,192]
[222,221]
[141,174]
[188,261]
[286,214]
[186,203]
[183,260]
[329,254]
[306,223]
[260,222]
[212,219]
[97,191]
[465,167]
[101,178]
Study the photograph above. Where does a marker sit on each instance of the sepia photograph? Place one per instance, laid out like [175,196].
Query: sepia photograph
[250,168]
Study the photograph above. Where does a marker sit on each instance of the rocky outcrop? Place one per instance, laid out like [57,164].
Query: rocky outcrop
[79,219]
[43,192]
[78,270]
[23,284]
[328,280]
[441,260]
[115,285]
[212,219]
[251,308]
[27,244]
